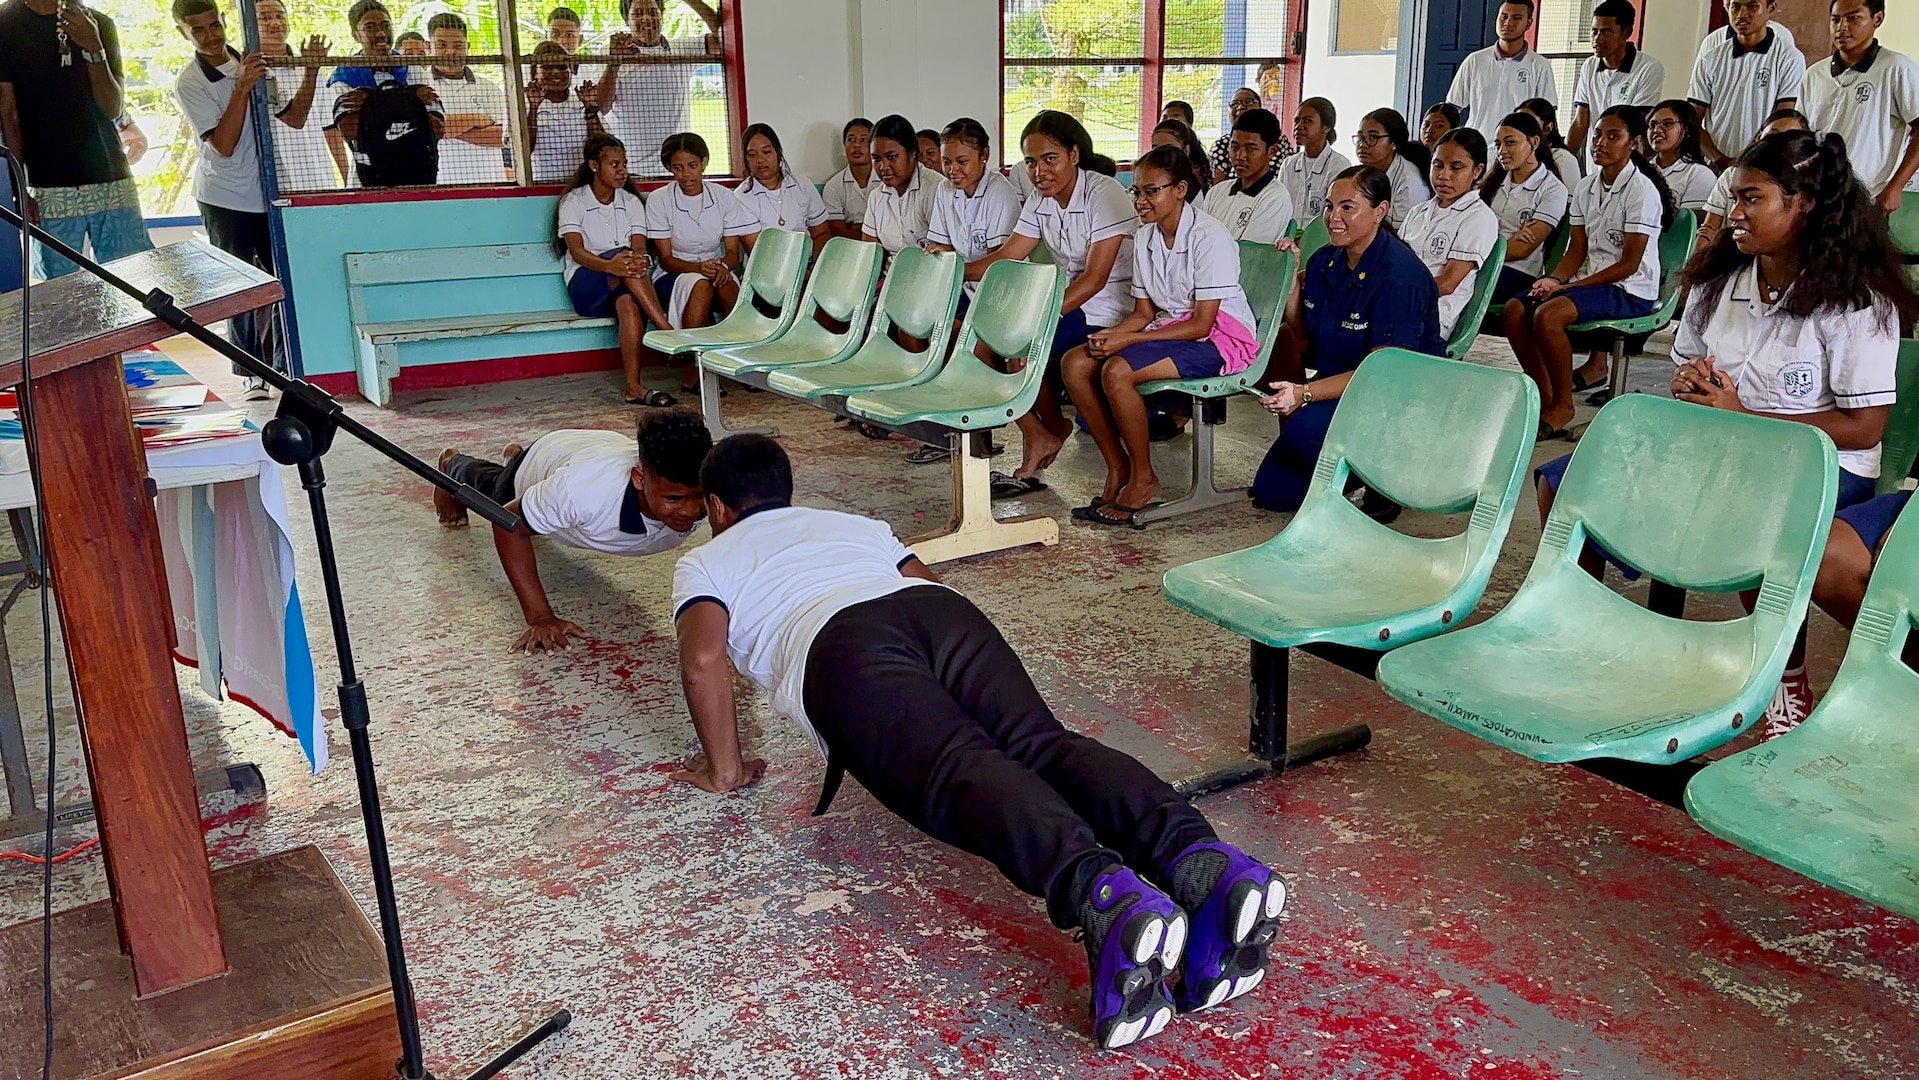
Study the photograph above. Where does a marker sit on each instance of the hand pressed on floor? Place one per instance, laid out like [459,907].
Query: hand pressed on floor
[698,771]
[548,635]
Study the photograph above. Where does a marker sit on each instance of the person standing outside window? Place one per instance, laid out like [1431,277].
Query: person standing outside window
[651,97]
[300,150]
[1493,81]
[475,134]
[563,29]
[1617,73]
[61,87]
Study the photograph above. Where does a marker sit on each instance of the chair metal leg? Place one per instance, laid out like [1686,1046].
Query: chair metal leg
[710,408]
[1203,493]
[1616,381]
[1272,752]
[973,530]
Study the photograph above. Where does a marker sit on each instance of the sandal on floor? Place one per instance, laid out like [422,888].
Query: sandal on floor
[872,431]
[1580,385]
[1008,486]
[1599,397]
[929,455]
[1085,513]
[1099,515]
[1163,428]
[654,399]
[1548,433]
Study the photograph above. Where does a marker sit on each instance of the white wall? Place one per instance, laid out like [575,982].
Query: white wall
[1674,29]
[1901,31]
[931,61]
[1355,84]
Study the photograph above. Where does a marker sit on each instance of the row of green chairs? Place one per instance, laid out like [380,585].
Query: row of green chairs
[862,371]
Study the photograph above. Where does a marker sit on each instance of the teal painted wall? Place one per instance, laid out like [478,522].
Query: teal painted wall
[319,238]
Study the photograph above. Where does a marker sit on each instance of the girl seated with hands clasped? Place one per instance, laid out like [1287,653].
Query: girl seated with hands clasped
[1453,232]
[1190,320]
[697,228]
[600,227]
[1529,197]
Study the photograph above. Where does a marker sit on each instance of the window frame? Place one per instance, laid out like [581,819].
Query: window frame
[1332,44]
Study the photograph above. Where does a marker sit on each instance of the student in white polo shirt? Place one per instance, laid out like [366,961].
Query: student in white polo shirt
[1869,94]
[974,207]
[1493,81]
[585,488]
[1253,204]
[1087,221]
[1385,144]
[1742,74]
[1617,73]
[1672,127]
[846,193]
[1309,174]
[696,227]
[1190,320]
[1610,270]
[558,118]
[903,683]
[472,146]
[1453,232]
[214,90]
[775,195]
[1567,163]
[647,102]
[601,226]
[900,208]
[1712,217]
[300,153]
[1528,197]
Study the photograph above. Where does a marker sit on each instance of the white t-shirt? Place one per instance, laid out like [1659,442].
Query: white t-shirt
[1202,264]
[1098,209]
[1608,213]
[1720,200]
[231,183]
[845,199]
[1021,178]
[1638,80]
[1872,106]
[1741,86]
[602,226]
[781,575]
[1409,188]
[974,225]
[794,206]
[300,155]
[1570,167]
[1783,364]
[698,225]
[461,162]
[559,134]
[1489,86]
[649,102]
[1467,231]
[1690,182]
[1307,179]
[898,220]
[1543,197]
[1261,216]
[576,486]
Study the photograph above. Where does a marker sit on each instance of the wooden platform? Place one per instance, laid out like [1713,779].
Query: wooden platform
[306,995]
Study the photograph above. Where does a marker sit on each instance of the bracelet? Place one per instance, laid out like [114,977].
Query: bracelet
[1305,394]
[99,57]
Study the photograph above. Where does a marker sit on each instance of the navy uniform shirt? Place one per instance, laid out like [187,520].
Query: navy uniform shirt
[1389,299]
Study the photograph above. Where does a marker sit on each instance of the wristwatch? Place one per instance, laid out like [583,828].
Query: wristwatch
[94,57]
[1305,394]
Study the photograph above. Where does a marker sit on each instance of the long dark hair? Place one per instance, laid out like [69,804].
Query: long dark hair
[771,136]
[1196,150]
[1847,261]
[1177,164]
[1548,116]
[590,152]
[1404,145]
[1528,125]
[1375,187]
[1634,118]
[1689,147]
[899,129]
[1467,139]
[1062,130]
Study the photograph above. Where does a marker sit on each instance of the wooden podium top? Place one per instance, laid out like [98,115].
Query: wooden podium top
[78,317]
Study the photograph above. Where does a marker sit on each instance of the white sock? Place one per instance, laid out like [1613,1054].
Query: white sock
[1798,672]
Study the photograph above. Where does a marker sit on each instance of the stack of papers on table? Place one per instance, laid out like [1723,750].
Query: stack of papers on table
[170,408]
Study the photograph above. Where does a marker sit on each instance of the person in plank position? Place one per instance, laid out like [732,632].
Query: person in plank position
[906,685]
[599,490]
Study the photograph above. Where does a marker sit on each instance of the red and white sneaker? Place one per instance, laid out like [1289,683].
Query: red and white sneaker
[1791,704]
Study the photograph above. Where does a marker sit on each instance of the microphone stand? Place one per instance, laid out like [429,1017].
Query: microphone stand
[300,434]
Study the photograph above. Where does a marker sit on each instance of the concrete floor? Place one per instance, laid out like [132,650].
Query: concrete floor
[1457,911]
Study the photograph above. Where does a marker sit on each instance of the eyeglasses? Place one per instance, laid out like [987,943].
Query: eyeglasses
[1663,125]
[1368,140]
[1147,194]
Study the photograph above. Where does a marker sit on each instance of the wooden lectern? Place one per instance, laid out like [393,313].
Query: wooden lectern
[296,986]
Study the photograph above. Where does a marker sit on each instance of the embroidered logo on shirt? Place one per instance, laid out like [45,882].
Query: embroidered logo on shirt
[1765,78]
[1245,216]
[1436,245]
[1617,237]
[1799,379]
[1862,93]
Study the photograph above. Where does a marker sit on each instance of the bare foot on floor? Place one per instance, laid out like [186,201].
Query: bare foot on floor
[452,514]
[512,448]
[1140,491]
[1041,449]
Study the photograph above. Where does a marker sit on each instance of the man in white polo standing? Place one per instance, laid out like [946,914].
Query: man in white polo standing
[1617,73]
[1493,81]
[472,146]
[1742,74]
[1869,94]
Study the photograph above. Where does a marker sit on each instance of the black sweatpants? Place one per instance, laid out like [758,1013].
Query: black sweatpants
[489,479]
[245,236]
[918,696]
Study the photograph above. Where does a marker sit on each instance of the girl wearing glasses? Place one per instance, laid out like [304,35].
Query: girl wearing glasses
[1673,130]
[1453,232]
[1190,320]
[1364,290]
[1087,222]
[1385,144]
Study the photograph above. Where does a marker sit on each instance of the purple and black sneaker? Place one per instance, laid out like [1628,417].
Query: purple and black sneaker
[1133,935]
[1235,904]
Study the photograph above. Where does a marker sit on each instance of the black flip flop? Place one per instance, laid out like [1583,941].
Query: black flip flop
[1085,513]
[1548,433]
[1580,385]
[1097,515]
[1600,396]
[1008,486]
[655,399]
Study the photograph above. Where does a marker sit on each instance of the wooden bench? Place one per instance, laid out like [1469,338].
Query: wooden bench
[378,360]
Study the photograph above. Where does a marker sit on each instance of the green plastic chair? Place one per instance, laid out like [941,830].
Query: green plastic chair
[774,273]
[1267,275]
[1675,247]
[1837,799]
[1428,433]
[1900,446]
[1559,241]
[921,293]
[1570,670]
[842,286]
[1467,328]
[1904,224]
[1041,254]
[1313,238]
[1014,314]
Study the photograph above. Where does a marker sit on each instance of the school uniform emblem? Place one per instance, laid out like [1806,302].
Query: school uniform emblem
[1436,245]
[1799,379]
[1764,78]
[1616,236]
[1245,216]
[1862,93]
